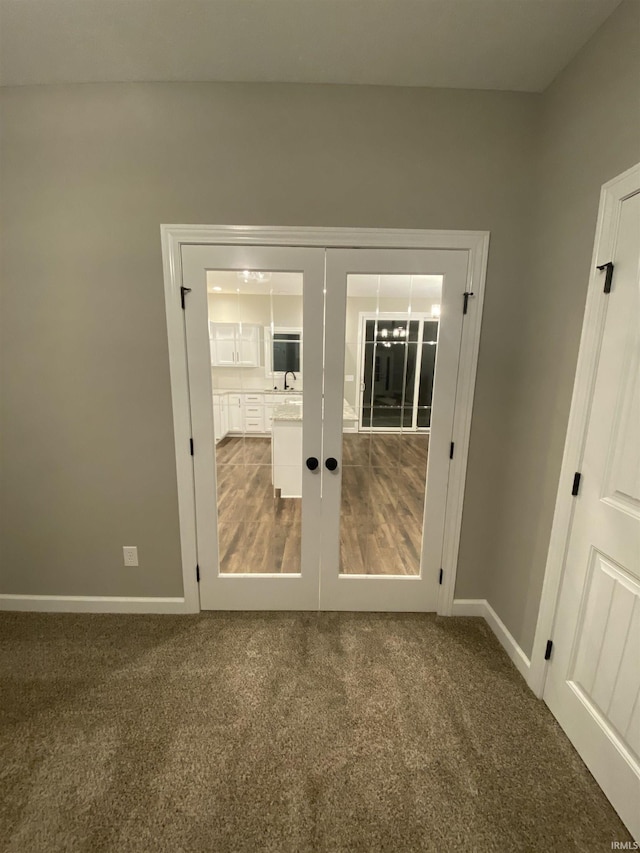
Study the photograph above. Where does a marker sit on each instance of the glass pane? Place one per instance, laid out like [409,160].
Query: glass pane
[255,327]
[388,383]
[427,372]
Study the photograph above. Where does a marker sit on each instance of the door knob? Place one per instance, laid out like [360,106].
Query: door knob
[312,463]
[331,463]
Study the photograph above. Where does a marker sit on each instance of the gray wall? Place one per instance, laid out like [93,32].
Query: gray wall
[90,172]
[590,132]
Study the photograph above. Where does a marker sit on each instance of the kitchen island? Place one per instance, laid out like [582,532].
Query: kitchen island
[286,446]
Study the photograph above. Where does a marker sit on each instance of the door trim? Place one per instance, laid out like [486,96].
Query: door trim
[173,237]
[612,195]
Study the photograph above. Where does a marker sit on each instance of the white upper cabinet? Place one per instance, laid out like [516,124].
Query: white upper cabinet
[234,344]
[248,345]
[222,340]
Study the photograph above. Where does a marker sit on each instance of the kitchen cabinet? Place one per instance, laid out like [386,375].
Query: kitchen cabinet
[216,417]
[234,344]
[236,418]
[272,400]
[253,412]
[286,444]
[224,415]
[286,451]
[220,416]
[246,413]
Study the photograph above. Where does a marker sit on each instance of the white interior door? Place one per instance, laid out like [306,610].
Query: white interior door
[258,548]
[593,682]
[384,490]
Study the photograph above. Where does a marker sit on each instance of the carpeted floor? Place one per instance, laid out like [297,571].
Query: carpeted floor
[283,732]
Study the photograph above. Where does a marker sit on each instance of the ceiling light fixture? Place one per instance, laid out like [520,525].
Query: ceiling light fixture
[254,275]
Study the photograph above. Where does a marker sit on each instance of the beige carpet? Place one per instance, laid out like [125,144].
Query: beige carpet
[280,732]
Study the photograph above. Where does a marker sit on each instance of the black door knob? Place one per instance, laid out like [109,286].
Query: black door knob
[331,463]
[312,463]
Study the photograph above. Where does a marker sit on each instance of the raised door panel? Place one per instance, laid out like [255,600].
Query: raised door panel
[608,644]
[621,488]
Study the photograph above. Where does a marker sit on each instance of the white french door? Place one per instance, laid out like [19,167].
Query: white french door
[256,550]
[384,497]
[296,506]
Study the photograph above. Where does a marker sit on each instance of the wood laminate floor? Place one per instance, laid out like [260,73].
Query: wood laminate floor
[383,488]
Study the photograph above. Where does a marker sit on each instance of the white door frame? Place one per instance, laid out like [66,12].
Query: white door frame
[173,237]
[612,196]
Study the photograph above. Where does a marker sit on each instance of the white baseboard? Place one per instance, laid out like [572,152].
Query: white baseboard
[91,604]
[481,607]
[469,607]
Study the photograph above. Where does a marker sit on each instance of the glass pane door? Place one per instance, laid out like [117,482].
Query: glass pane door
[258,454]
[384,501]
[257,500]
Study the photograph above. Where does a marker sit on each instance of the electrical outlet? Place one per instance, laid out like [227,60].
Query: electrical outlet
[130,555]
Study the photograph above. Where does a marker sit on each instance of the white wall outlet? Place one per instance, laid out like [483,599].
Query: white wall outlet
[130,555]
[348,378]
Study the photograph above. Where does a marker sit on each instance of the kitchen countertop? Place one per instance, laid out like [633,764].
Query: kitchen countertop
[287,412]
[294,393]
[293,412]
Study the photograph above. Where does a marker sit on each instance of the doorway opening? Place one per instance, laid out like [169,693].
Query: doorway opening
[308,491]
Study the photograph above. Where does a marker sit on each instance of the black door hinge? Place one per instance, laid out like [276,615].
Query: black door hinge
[576,483]
[608,277]
[198,573]
[451,446]
[465,304]
[441,576]
[547,651]
[191,446]
[183,293]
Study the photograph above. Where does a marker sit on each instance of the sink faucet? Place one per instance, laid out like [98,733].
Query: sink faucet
[288,387]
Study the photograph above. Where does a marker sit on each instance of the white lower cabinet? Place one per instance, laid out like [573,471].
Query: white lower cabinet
[224,414]
[286,445]
[220,416]
[247,412]
[216,416]
[236,418]
[271,400]
[253,412]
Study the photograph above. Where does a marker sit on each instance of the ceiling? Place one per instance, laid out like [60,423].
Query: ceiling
[478,44]
[358,286]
